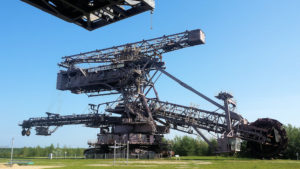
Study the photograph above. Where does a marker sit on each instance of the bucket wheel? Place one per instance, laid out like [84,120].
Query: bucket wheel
[276,139]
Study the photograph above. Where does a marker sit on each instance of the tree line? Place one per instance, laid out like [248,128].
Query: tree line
[188,146]
[293,147]
[38,151]
[183,146]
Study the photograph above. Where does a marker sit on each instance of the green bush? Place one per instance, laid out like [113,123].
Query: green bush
[293,147]
[188,146]
[41,152]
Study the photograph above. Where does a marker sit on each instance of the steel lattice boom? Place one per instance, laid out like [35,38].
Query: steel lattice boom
[146,48]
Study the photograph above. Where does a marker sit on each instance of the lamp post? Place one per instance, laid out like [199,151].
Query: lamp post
[127,151]
[12,151]
[115,152]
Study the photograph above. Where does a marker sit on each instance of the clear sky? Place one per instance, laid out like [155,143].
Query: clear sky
[252,51]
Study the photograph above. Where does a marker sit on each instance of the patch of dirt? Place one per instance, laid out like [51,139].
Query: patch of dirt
[284,162]
[193,162]
[16,166]
[100,165]
[158,162]
[201,162]
[170,162]
[154,163]
[109,165]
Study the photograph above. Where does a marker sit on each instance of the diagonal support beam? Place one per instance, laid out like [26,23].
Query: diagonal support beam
[203,136]
[233,114]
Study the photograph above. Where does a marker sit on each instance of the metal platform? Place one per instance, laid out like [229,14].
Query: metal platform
[93,14]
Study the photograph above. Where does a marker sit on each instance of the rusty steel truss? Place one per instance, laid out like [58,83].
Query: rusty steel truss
[131,71]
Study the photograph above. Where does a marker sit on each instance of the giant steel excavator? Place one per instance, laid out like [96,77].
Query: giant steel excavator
[138,116]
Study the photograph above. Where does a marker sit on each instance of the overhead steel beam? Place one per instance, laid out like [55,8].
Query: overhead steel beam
[93,14]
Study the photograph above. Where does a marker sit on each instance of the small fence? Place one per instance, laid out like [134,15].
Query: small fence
[147,155]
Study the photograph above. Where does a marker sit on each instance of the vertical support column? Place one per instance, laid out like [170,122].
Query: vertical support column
[144,101]
[227,98]
[227,114]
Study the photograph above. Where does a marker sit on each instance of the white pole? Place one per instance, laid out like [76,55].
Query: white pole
[115,153]
[124,150]
[12,151]
[127,151]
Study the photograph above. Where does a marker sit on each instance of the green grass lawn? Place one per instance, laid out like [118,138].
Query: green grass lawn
[185,162]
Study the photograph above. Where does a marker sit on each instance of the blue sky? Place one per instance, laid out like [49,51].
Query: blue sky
[252,51]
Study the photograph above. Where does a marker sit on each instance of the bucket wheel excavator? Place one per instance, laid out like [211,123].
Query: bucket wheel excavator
[138,116]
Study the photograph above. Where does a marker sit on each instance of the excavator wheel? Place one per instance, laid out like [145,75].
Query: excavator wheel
[276,139]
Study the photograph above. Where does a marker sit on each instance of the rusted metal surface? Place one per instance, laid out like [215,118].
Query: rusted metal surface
[276,139]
